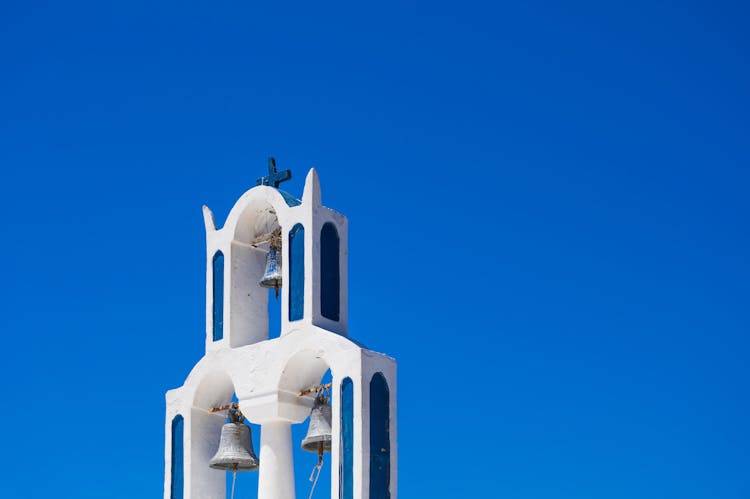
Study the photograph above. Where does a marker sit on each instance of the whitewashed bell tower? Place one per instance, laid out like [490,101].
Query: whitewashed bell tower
[272,373]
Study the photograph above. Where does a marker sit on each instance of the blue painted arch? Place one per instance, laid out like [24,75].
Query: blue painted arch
[217,265]
[178,461]
[380,438]
[296,272]
[346,452]
[330,279]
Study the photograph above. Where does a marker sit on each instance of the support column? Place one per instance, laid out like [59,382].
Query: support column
[276,474]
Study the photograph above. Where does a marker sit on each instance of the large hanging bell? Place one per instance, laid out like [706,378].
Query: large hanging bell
[318,438]
[272,276]
[235,448]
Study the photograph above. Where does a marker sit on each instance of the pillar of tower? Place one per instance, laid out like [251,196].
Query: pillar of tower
[276,473]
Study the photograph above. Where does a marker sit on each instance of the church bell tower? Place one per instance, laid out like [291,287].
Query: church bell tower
[297,248]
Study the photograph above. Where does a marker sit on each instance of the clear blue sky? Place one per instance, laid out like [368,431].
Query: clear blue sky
[548,206]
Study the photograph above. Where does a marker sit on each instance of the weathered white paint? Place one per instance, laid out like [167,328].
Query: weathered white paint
[267,374]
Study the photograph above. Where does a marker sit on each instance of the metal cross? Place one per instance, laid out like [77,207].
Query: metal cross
[274,177]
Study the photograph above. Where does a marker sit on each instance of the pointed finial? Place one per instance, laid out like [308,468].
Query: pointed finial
[274,177]
[311,192]
[208,218]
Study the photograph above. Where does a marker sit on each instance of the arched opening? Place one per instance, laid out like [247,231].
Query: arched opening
[256,312]
[178,458]
[380,439]
[330,286]
[218,295]
[304,370]
[305,461]
[215,390]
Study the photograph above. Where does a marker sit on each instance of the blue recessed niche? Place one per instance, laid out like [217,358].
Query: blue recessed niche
[380,439]
[218,296]
[296,272]
[178,424]
[346,465]
[330,282]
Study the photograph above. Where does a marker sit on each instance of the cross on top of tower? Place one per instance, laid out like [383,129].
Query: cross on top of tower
[274,178]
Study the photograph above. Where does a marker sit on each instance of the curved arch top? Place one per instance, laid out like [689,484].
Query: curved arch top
[256,212]
[214,377]
[303,369]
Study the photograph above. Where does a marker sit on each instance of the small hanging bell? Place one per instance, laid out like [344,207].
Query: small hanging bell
[318,438]
[235,446]
[272,275]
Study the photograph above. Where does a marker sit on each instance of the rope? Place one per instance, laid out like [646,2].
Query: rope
[315,389]
[317,468]
[234,480]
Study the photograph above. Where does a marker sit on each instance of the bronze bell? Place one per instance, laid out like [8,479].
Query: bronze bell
[318,438]
[272,276]
[235,446]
